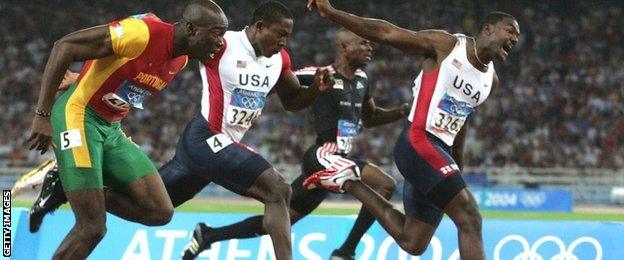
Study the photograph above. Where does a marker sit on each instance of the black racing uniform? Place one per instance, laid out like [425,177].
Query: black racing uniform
[337,122]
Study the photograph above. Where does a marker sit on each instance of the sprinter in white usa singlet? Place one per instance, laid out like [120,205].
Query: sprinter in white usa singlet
[236,82]
[457,75]
[455,89]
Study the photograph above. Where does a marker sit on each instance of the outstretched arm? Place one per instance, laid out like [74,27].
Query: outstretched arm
[294,97]
[373,115]
[428,43]
[82,45]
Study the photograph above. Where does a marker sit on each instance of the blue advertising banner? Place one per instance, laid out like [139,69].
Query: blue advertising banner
[523,199]
[316,236]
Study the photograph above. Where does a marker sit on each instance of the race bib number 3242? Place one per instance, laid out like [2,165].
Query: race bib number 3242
[245,107]
[241,116]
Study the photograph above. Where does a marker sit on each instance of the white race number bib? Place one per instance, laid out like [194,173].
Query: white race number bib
[70,139]
[218,142]
[347,131]
[450,115]
[245,107]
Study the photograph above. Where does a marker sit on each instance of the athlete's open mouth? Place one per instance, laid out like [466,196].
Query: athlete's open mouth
[508,47]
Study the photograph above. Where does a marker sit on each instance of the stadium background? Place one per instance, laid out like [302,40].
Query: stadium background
[560,103]
[557,120]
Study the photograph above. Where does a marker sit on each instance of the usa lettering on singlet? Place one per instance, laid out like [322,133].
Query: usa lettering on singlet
[236,83]
[445,98]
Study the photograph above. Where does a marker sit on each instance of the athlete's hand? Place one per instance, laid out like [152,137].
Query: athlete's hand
[323,80]
[323,7]
[40,134]
[69,78]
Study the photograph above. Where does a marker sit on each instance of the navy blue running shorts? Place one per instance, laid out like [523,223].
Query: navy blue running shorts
[432,178]
[203,156]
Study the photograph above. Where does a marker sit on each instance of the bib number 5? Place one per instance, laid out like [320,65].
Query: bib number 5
[70,139]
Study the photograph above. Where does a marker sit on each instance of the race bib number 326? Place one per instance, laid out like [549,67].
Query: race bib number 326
[447,122]
[450,115]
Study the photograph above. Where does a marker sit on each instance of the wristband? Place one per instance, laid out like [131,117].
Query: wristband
[42,113]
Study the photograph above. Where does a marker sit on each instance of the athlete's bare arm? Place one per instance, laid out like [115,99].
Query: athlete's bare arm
[373,115]
[458,146]
[87,44]
[429,43]
[294,97]
[495,83]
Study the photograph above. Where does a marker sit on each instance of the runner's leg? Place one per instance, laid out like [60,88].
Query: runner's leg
[383,184]
[271,188]
[90,226]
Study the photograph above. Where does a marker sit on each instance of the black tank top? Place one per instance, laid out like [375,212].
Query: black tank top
[337,112]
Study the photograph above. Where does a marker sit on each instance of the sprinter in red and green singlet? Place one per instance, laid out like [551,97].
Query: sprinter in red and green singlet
[125,62]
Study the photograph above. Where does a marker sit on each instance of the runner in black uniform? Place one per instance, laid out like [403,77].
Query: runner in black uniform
[339,114]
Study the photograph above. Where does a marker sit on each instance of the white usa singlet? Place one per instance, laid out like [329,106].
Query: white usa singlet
[236,83]
[444,98]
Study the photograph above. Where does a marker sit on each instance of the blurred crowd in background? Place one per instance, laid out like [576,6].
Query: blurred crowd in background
[560,102]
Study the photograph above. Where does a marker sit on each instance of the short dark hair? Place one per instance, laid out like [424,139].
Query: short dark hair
[271,12]
[494,17]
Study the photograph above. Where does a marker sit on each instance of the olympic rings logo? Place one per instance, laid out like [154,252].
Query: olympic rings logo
[251,102]
[530,252]
[460,109]
[135,98]
[533,199]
